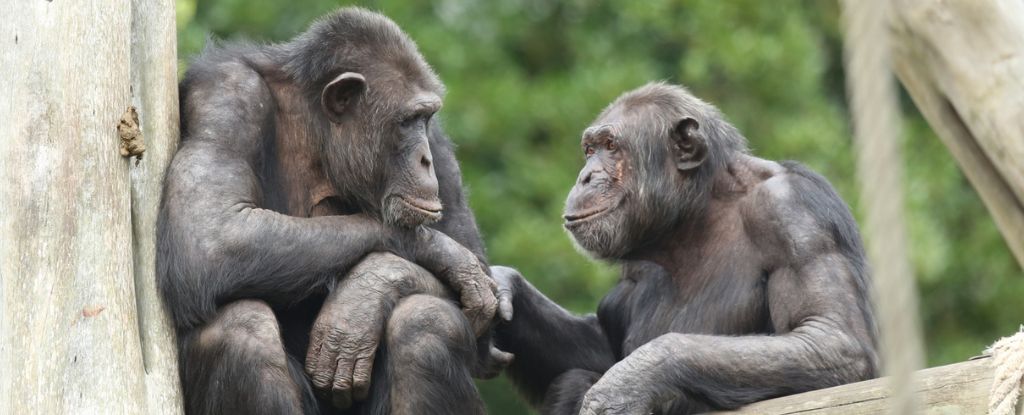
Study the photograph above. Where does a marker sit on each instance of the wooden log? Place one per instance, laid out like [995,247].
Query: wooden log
[962,61]
[960,388]
[71,338]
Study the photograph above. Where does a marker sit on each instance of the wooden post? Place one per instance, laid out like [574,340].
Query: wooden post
[962,61]
[80,323]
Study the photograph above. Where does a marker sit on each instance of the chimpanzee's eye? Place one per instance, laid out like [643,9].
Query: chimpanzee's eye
[588,150]
[611,145]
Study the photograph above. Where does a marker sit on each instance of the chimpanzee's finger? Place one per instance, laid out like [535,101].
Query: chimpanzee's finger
[319,372]
[341,389]
[361,376]
[505,303]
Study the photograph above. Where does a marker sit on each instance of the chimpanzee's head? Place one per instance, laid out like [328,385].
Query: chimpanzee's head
[377,98]
[649,161]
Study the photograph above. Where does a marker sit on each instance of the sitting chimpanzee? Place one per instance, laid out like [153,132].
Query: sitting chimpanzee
[742,278]
[292,217]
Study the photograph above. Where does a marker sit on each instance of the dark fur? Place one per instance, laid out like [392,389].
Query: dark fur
[744,279]
[241,221]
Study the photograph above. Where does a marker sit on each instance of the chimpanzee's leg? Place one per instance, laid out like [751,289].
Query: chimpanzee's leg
[423,365]
[236,364]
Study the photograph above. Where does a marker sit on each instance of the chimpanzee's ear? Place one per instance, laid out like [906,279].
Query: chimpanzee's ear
[688,144]
[341,93]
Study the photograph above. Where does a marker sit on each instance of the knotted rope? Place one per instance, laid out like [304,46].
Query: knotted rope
[1008,361]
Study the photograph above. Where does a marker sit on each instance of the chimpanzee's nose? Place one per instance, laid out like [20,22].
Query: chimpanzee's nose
[425,162]
[589,173]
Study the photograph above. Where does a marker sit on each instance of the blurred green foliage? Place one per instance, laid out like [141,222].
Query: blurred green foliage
[526,76]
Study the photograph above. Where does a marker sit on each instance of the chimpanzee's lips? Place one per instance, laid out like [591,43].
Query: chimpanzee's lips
[431,207]
[575,217]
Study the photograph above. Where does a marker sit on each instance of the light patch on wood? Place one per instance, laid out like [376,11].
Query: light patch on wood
[92,311]
[131,135]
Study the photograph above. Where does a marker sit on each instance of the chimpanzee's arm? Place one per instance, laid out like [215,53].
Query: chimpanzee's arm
[823,349]
[215,242]
[547,340]
[457,222]
[817,299]
[345,337]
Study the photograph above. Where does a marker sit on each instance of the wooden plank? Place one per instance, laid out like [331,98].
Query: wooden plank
[960,388]
[962,61]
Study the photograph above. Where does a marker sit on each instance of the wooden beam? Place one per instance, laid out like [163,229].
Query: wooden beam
[960,388]
[962,61]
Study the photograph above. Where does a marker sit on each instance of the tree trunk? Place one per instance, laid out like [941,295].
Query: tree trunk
[962,61]
[81,327]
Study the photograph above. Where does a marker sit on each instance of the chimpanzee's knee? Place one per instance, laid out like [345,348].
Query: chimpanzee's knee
[246,326]
[237,364]
[428,325]
[430,348]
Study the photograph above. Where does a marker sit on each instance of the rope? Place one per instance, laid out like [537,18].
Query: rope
[1008,361]
[876,116]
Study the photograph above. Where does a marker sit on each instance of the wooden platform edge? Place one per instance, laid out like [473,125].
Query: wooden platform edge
[959,388]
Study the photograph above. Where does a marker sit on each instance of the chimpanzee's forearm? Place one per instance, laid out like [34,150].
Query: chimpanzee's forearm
[547,341]
[458,221]
[256,253]
[734,371]
[217,245]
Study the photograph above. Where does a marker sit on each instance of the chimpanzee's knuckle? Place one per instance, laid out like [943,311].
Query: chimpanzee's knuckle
[490,308]
[342,381]
[321,379]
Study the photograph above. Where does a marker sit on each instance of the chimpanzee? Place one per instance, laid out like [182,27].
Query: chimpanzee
[299,161]
[742,278]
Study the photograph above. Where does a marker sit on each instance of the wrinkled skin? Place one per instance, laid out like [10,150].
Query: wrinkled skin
[742,279]
[348,331]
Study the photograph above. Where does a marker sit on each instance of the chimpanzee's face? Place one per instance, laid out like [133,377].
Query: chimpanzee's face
[636,181]
[379,144]
[595,209]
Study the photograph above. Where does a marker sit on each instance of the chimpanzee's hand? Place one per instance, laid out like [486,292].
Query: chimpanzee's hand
[460,269]
[625,388]
[508,280]
[343,342]
[477,291]
[347,332]
[495,361]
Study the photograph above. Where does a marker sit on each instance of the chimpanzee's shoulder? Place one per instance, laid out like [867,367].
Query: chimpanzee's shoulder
[798,211]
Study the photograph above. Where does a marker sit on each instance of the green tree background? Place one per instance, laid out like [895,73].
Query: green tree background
[526,76]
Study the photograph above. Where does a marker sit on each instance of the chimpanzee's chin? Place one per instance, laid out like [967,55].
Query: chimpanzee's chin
[398,212]
[597,239]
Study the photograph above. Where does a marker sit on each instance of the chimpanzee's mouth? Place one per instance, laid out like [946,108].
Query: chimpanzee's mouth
[429,207]
[578,217]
